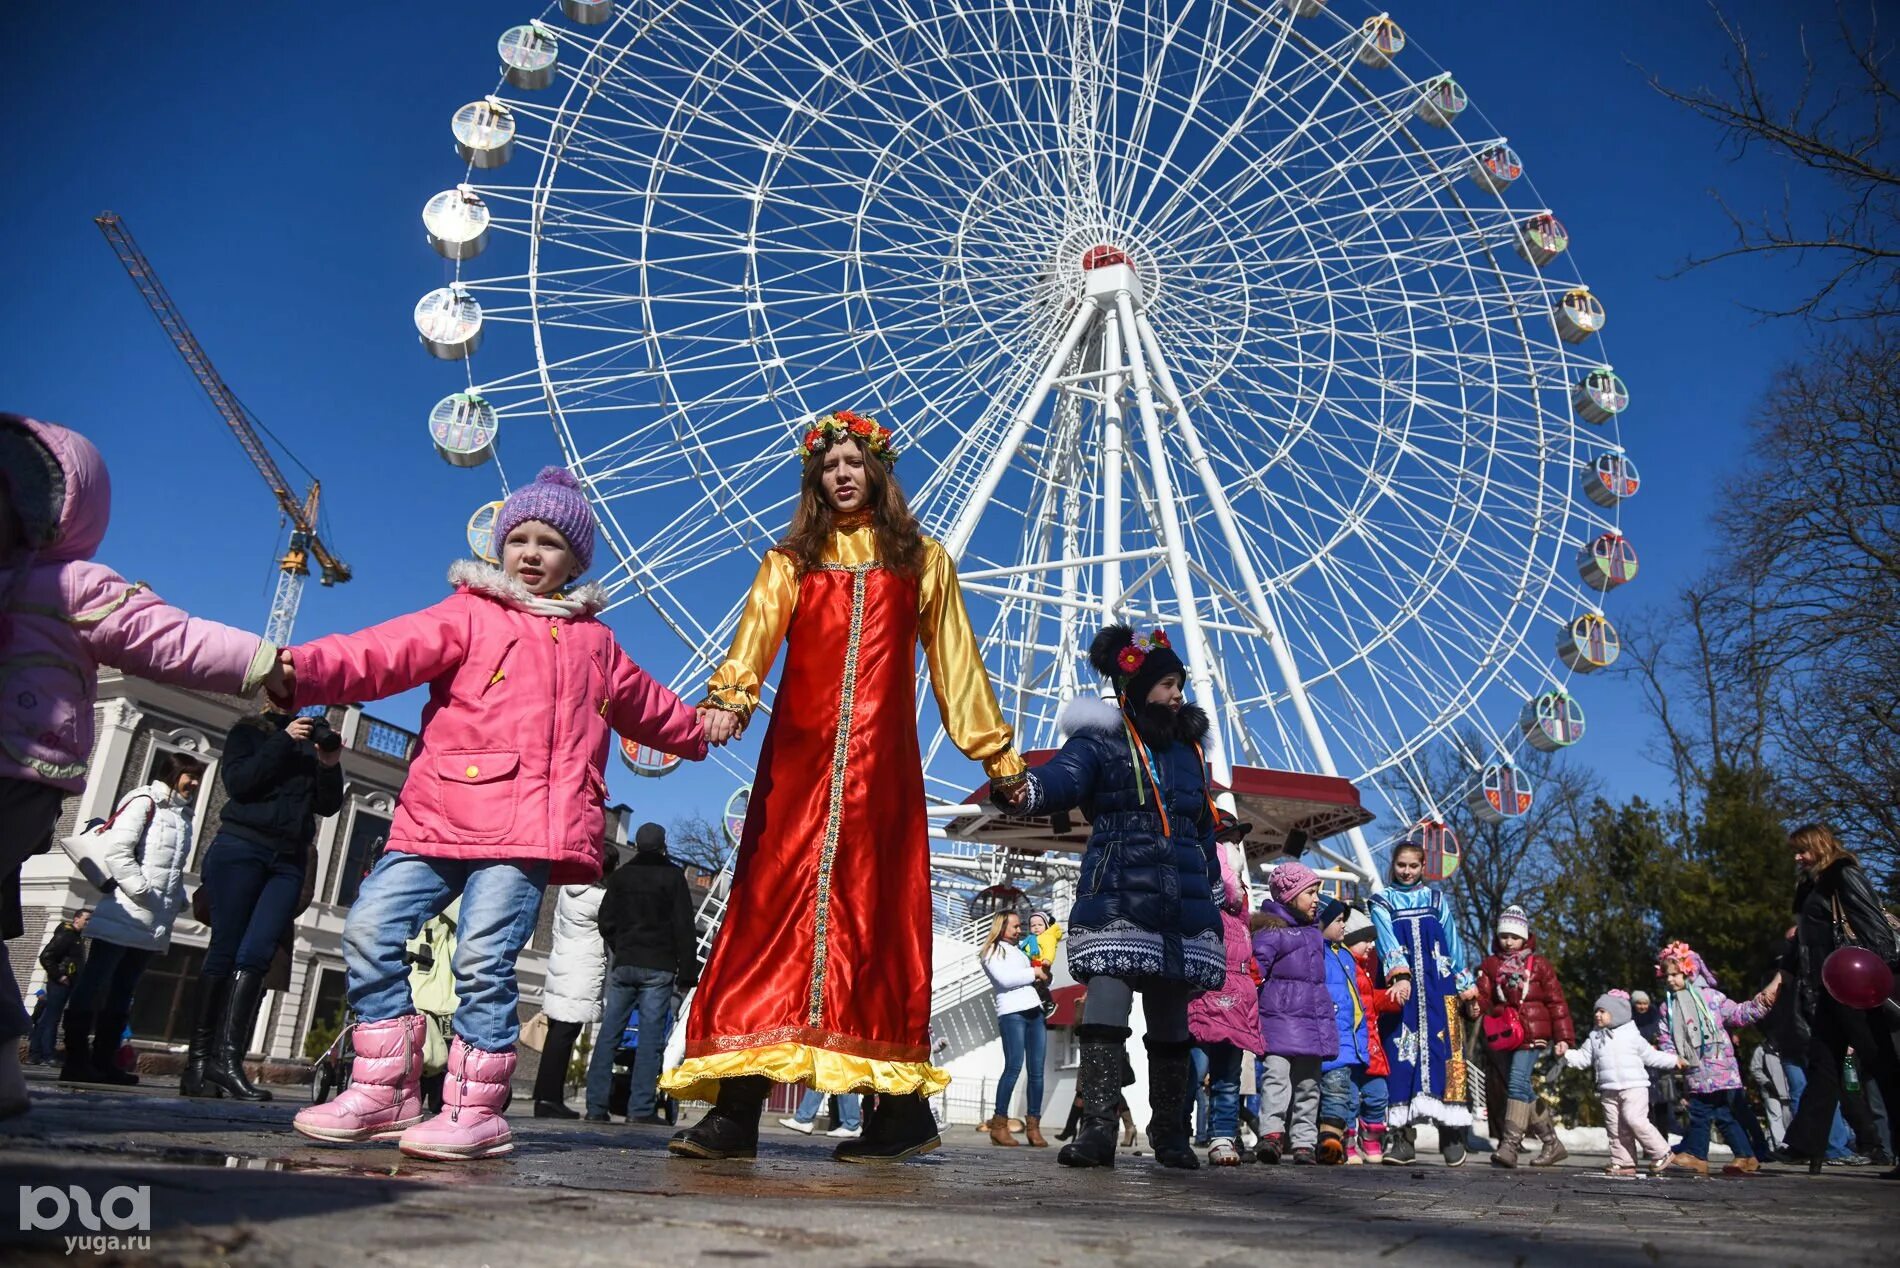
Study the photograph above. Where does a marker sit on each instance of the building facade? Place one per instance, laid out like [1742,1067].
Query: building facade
[134,722]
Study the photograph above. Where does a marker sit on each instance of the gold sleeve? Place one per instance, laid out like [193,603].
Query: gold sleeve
[735,685]
[971,717]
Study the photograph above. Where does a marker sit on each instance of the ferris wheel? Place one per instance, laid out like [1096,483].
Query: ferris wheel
[1235,318]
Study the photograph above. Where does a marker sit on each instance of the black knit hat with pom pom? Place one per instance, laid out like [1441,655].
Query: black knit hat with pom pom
[1159,660]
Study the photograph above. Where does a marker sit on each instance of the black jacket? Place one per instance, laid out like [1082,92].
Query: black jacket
[64,953]
[646,916]
[277,786]
[1814,940]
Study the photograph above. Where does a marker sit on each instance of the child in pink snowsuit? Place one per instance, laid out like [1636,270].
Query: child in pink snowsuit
[504,797]
[61,617]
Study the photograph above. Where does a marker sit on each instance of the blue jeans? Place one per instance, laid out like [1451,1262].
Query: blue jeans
[1223,1091]
[1518,1084]
[1348,1095]
[44,1042]
[500,900]
[850,1111]
[1197,1070]
[252,889]
[1025,1037]
[1723,1107]
[651,991]
[1838,1142]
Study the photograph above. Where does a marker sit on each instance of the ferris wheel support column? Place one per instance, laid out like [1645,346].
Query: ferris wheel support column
[1256,591]
[960,532]
[1112,457]
[1199,672]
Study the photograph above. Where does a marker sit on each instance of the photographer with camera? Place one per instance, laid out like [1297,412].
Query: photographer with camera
[281,773]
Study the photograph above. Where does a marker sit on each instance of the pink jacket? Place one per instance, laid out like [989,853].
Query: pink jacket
[1232,1013]
[62,616]
[515,734]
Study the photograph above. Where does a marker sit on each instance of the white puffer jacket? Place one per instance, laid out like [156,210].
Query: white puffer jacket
[577,966]
[141,910]
[1622,1056]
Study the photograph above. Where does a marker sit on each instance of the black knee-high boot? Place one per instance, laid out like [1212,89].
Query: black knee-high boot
[78,1065]
[207,1009]
[1075,1119]
[1170,1087]
[239,1018]
[1098,1084]
[106,1034]
[730,1128]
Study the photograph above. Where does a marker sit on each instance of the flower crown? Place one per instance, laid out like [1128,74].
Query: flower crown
[1132,657]
[843,424]
[1678,952]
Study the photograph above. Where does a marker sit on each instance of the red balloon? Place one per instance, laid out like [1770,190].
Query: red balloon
[1857,977]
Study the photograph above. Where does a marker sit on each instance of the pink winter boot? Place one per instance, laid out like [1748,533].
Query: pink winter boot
[1372,1141]
[470,1124]
[385,1092]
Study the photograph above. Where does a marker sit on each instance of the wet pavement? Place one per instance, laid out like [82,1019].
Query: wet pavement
[231,1183]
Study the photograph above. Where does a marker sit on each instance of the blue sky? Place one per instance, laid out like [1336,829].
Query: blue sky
[274,167]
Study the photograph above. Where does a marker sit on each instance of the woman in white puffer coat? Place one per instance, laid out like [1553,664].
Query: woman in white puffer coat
[571,993]
[145,847]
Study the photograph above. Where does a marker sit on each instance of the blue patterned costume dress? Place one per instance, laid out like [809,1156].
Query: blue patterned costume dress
[1424,1040]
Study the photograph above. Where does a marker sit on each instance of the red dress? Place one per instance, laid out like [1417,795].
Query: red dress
[821,969]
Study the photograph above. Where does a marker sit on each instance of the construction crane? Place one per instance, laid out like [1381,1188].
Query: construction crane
[294,567]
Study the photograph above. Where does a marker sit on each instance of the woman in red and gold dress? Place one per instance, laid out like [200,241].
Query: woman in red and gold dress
[821,970]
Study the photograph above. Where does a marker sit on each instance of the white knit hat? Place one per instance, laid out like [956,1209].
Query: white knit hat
[1357,921]
[1514,919]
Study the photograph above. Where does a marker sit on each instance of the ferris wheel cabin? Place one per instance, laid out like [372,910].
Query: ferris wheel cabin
[1442,103]
[1494,169]
[1504,792]
[1607,562]
[1588,644]
[484,133]
[1610,479]
[587,12]
[528,54]
[1552,720]
[449,322]
[1542,239]
[1579,315]
[463,426]
[1442,851]
[1600,395]
[456,221]
[1380,40]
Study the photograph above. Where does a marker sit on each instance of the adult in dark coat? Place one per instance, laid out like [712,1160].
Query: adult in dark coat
[63,956]
[646,918]
[1664,1089]
[1833,904]
[279,780]
[1145,918]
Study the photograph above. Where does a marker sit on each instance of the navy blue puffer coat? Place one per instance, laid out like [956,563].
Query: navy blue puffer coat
[1145,905]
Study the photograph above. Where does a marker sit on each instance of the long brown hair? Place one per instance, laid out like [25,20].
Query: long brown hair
[900,544]
[1819,840]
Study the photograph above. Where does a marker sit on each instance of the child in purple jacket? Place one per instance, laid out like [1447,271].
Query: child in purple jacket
[1696,1019]
[1296,1013]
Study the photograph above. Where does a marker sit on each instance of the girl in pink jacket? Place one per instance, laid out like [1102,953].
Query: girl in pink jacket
[504,797]
[61,617]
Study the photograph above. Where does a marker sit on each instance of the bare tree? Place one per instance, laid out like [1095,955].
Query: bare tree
[1509,862]
[699,842]
[1834,127]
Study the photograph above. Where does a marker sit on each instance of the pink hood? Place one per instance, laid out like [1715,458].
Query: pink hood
[64,616]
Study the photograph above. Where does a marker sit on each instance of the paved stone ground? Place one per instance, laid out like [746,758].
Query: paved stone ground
[232,1184]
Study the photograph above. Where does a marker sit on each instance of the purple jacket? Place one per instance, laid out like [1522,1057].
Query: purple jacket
[1296,1010]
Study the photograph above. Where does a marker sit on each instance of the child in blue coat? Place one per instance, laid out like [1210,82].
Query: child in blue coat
[1341,1078]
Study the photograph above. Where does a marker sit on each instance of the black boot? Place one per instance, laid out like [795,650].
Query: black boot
[1098,1085]
[225,1068]
[207,1007]
[730,1128]
[896,1128]
[1399,1149]
[105,1052]
[1075,1119]
[1170,1088]
[78,1065]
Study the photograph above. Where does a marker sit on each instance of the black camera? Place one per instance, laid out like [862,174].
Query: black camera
[324,736]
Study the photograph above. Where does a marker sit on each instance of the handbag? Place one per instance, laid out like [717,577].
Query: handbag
[534,1032]
[87,847]
[1504,1030]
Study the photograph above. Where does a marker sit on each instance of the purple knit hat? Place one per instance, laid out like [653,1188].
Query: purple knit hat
[1289,880]
[555,498]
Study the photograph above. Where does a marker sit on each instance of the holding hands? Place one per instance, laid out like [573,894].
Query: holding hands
[1769,994]
[280,683]
[720,725]
[1401,990]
